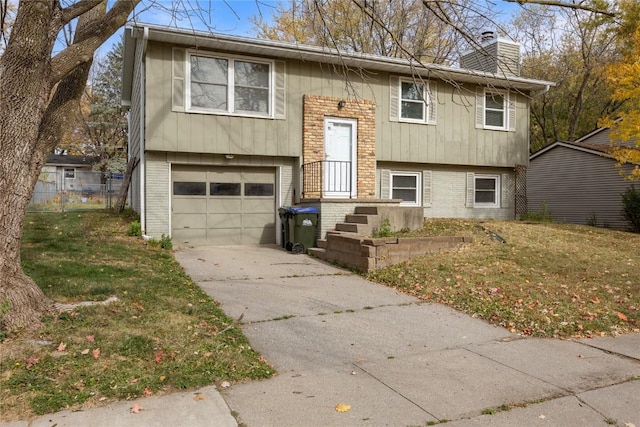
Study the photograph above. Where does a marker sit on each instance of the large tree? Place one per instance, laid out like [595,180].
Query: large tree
[396,28]
[39,91]
[571,48]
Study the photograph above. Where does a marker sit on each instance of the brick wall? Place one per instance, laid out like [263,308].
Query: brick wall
[315,109]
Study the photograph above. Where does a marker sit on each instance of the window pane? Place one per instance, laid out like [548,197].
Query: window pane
[209,96]
[404,181]
[412,91]
[251,74]
[494,101]
[485,197]
[485,184]
[494,118]
[412,110]
[251,99]
[209,70]
[257,189]
[408,195]
[189,189]
[224,189]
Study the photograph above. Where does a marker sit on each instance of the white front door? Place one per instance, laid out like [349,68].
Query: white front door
[340,144]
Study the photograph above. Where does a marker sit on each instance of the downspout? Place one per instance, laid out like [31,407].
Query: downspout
[143,198]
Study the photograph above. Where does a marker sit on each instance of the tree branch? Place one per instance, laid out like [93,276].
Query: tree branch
[77,9]
[90,37]
[559,3]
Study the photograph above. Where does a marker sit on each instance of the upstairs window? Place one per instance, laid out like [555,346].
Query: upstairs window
[229,85]
[495,110]
[412,100]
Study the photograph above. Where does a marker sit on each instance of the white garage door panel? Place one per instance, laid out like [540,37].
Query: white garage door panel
[224,221]
[228,216]
[182,205]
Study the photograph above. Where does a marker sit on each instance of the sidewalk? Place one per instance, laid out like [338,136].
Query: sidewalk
[336,338]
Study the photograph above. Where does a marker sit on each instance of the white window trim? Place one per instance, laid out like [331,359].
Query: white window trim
[426,101]
[418,176]
[505,109]
[496,204]
[230,85]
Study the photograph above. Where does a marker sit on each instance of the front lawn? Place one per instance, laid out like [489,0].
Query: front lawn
[547,280]
[162,334]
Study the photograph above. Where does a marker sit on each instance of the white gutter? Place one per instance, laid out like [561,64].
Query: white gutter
[143,199]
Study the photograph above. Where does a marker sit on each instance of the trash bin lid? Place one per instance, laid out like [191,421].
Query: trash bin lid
[304,210]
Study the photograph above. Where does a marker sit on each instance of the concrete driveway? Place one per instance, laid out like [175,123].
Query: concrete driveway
[335,338]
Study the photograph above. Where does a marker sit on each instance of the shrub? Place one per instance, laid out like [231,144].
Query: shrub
[135,229]
[384,230]
[544,215]
[631,208]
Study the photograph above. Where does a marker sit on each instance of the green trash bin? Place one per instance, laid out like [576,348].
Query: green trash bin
[302,223]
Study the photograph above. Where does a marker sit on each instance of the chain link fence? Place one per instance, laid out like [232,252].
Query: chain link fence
[67,191]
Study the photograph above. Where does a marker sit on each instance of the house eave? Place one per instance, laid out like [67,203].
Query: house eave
[570,146]
[278,49]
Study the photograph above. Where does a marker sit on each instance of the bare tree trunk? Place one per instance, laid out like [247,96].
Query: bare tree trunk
[38,94]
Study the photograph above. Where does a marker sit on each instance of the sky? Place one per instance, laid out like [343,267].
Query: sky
[231,16]
[223,16]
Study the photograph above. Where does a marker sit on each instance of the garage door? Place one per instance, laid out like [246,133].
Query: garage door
[223,205]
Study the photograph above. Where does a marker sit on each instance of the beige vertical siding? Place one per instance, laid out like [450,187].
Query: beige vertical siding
[576,185]
[453,140]
[135,133]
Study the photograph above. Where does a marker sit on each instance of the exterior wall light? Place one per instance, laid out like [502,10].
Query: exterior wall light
[342,103]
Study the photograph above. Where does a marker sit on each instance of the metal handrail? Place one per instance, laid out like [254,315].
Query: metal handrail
[326,177]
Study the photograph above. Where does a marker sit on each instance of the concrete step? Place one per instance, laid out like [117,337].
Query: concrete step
[363,229]
[358,218]
[366,210]
[322,243]
[317,252]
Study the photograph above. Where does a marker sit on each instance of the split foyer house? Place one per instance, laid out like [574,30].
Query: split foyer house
[225,130]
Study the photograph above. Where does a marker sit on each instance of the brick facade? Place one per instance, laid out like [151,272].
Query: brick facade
[315,109]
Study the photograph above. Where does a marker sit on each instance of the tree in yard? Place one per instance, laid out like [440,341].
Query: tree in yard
[387,28]
[107,121]
[39,92]
[571,48]
[624,77]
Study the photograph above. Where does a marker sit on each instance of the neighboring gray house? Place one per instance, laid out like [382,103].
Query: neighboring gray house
[71,173]
[225,130]
[579,182]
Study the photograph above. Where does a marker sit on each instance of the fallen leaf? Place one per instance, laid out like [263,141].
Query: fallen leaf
[628,424]
[32,361]
[159,356]
[135,409]
[162,378]
[198,396]
[622,317]
[62,347]
[96,353]
[595,300]
[208,354]
[133,381]
[91,338]
[85,351]
[137,306]
[342,407]
[147,391]
[225,384]
[542,417]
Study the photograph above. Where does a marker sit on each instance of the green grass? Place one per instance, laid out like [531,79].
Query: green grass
[163,334]
[547,280]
